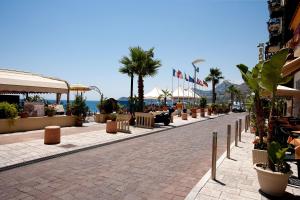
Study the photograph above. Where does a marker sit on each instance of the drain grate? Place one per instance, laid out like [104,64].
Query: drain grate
[67,146]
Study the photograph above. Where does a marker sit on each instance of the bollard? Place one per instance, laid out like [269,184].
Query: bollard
[236,133]
[214,156]
[228,140]
[240,130]
[246,123]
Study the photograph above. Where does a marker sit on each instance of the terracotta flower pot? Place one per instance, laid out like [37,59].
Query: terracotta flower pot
[184,116]
[194,112]
[111,126]
[209,111]
[202,112]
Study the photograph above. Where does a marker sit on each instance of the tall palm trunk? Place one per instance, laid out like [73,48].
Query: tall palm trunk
[131,94]
[141,93]
[213,92]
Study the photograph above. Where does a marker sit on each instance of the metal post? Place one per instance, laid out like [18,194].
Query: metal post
[236,133]
[214,156]
[228,140]
[246,123]
[240,130]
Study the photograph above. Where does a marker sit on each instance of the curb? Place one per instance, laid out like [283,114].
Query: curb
[9,167]
[197,188]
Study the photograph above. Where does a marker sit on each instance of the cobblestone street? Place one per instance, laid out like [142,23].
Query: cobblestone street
[164,165]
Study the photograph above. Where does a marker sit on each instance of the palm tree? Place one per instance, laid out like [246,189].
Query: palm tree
[232,90]
[165,94]
[146,66]
[214,76]
[128,69]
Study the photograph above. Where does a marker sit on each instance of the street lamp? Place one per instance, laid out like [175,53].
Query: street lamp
[196,69]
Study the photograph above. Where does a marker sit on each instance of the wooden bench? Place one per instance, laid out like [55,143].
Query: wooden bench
[144,120]
[123,123]
[52,135]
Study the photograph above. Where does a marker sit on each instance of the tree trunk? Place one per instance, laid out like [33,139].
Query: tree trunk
[141,93]
[213,92]
[131,94]
[165,100]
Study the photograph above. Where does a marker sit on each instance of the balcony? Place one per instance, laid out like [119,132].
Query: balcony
[275,26]
[274,6]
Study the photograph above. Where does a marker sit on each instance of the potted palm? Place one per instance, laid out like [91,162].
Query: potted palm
[273,178]
[79,109]
[203,103]
[111,125]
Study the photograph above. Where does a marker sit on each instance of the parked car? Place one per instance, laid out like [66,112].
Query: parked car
[238,108]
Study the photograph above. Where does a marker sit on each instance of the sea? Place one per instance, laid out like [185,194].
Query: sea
[93,104]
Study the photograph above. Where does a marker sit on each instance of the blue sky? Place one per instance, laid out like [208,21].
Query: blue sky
[82,41]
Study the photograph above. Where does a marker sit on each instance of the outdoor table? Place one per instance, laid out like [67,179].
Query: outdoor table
[293,158]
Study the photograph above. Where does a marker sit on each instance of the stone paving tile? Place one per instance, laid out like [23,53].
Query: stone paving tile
[165,165]
[236,178]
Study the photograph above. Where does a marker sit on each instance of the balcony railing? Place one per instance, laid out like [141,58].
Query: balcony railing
[274,5]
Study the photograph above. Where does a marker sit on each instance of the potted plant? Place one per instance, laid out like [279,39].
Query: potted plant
[184,115]
[107,107]
[209,110]
[214,108]
[79,109]
[194,112]
[111,125]
[273,178]
[203,103]
[50,110]
[8,111]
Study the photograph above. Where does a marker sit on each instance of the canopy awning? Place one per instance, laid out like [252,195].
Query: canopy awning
[291,67]
[153,94]
[12,81]
[79,88]
[284,91]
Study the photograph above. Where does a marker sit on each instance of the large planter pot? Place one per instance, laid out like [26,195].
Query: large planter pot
[78,121]
[184,116]
[101,118]
[202,112]
[259,156]
[111,126]
[272,183]
[194,112]
[209,112]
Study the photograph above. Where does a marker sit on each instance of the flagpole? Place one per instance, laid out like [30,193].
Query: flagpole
[178,89]
[172,87]
[183,91]
[188,90]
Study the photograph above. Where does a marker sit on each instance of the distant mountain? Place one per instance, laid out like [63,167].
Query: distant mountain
[221,91]
[123,99]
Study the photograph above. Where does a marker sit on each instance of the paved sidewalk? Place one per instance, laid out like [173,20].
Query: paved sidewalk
[236,178]
[12,154]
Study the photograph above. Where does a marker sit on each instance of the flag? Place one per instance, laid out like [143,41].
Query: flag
[174,72]
[186,77]
[199,82]
[191,79]
[206,85]
[179,74]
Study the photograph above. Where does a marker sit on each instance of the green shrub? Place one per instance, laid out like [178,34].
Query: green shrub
[108,106]
[203,102]
[8,111]
[79,107]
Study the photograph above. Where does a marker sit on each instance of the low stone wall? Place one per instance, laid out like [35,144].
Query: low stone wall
[34,123]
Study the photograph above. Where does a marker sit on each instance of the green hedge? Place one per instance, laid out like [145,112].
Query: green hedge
[8,111]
